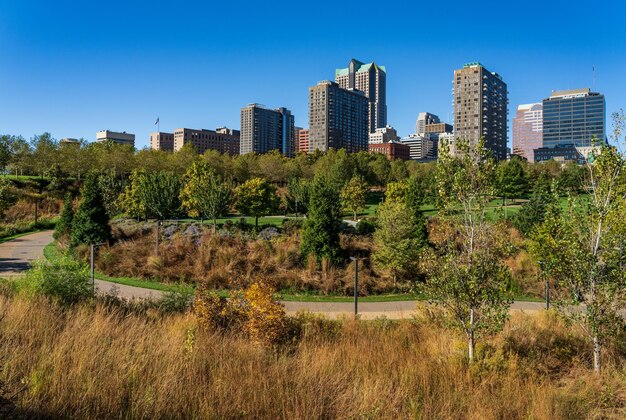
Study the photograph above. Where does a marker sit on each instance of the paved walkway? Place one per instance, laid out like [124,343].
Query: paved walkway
[16,256]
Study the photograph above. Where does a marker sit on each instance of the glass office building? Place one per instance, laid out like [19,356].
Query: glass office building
[573,117]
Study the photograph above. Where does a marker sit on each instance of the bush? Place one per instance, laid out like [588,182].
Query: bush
[175,302]
[291,226]
[366,227]
[63,279]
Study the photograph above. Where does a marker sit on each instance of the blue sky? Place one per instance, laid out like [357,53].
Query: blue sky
[73,68]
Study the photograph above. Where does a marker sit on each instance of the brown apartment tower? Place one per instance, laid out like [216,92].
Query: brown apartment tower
[480,108]
[370,79]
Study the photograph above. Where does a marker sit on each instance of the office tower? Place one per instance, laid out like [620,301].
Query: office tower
[393,150]
[424,119]
[116,137]
[528,130]
[480,108]
[303,140]
[383,135]
[162,141]
[264,130]
[421,147]
[370,79]
[223,140]
[573,117]
[337,118]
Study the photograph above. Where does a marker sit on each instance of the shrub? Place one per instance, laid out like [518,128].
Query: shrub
[175,302]
[63,279]
[366,227]
[291,226]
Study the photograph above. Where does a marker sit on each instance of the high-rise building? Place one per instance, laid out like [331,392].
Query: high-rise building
[383,135]
[116,137]
[371,79]
[223,140]
[337,118]
[573,117]
[162,141]
[264,130]
[480,108]
[528,130]
[303,140]
[424,119]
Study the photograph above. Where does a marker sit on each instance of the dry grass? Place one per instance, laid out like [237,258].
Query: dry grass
[95,362]
[24,210]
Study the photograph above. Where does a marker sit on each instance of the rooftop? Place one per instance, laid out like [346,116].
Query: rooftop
[359,68]
[570,93]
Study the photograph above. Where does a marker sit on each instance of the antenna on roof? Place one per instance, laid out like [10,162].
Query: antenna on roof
[593,85]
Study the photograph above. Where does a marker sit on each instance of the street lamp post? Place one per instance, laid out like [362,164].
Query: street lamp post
[93,277]
[356,286]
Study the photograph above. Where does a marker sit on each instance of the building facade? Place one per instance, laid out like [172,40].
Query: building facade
[303,141]
[162,141]
[480,108]
[370,79]
[574,117]
[437,128]
[421,147]
[223,140]
[393,150]
[528,130]
[264,130]
[338,118]
[424,119]
[562,153]
[383,135]
[116,137]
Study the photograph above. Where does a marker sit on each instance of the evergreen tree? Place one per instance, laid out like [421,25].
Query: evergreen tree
[64,225]
[91,222]
[320,233]
[512,180]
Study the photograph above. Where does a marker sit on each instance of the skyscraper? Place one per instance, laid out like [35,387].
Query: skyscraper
[528,130]
[370,79]
[480,107]
[573,117]
[337,118]
[264,130]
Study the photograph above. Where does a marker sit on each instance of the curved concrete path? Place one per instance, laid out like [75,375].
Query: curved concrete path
[17,255]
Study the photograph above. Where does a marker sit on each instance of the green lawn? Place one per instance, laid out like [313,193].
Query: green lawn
[19,235]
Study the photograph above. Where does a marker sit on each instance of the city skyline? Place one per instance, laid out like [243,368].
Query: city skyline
[73,86]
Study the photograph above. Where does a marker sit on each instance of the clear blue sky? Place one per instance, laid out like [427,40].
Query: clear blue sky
[75,67]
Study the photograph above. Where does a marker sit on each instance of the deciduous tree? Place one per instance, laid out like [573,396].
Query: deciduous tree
[256,197]
[354,195]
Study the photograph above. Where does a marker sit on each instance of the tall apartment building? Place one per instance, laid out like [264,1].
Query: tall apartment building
[528,130]
[162,141]
[338,118]
[383,135]
[223,140]
[116,137]
[424,119]
[264,130]
[371,79]
[303,140]
[480,108]
[574,117]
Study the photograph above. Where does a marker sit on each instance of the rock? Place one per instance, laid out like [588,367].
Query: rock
[192,231]
[268,233]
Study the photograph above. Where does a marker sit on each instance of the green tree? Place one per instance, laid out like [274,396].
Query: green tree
[533,212]
[91,221]
[204,193]
[130,200]
[398,239]
[512,181]
[580,248]
[63,227]
[5,152]
[298,195]
[468,279]
[354,194]
[256,197]
[320,233]
[411,193]
[7,195]
[159,194]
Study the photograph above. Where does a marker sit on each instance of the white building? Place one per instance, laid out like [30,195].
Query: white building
[116,137]
[384,135]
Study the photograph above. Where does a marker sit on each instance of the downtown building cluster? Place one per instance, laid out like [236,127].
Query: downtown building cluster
[350,112]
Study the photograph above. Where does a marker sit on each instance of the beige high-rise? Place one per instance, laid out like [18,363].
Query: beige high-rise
[480,108]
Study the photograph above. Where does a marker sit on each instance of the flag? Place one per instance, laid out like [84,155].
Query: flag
[157,121]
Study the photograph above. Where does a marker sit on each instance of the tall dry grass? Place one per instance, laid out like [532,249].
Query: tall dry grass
[94,362]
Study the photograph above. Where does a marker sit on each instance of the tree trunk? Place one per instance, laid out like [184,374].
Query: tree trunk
[214,224]
[470,338]
[596,354]
[256,222]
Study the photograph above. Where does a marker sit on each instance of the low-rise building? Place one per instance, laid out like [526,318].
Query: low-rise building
[116,137]
[421,147]
[303,140]
[162,141]
[561,153]
[223,140]
[393,150]
[383,135]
